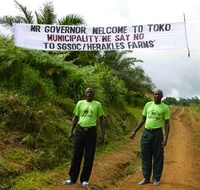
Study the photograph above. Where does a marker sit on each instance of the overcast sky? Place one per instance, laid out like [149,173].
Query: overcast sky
[170,70]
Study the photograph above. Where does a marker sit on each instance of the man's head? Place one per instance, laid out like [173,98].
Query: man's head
[89,94]
[158,94]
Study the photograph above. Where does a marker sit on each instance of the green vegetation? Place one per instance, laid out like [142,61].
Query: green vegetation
[189,102]
[38,92]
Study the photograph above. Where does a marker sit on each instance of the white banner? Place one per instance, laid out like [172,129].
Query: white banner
[84,38]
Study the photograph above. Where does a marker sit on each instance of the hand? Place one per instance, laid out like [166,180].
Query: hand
[132,135]
[70,135]
[164,143]
[102,140]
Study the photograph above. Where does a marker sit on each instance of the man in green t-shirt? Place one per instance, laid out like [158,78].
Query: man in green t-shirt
[86,113]
[155,115]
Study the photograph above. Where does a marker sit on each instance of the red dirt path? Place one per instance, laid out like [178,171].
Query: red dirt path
[182,161]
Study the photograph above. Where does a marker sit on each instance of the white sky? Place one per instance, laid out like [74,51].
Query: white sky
[170,70]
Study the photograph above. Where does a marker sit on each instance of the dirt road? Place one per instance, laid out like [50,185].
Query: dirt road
[182,161]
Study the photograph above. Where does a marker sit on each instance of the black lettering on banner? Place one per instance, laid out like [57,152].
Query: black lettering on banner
[65,29]
[68,46]
[110,30]
[93,47]
[159,27]
[140,44]
[120,45]
[35,28]
[137,29]
[49,45]
[105,46]
[151,43]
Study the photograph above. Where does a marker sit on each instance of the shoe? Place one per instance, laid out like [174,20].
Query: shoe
[156,183]
[68,182]
[85,183]
[143,182]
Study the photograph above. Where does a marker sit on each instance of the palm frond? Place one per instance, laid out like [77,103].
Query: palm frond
[8,20]
[71,19]
[46,14]
[27,15]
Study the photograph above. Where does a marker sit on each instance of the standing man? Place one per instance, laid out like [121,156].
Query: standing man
[155,115]
[86,113]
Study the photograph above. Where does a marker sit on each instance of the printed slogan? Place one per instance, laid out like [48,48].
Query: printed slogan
[84,38]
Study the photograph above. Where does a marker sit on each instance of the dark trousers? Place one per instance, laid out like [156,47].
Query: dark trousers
[152,153]
[84,144]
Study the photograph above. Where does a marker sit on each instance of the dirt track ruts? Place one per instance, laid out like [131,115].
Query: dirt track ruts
[182,163]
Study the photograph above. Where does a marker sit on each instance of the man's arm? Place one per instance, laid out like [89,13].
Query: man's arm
[102,125]
[167,129]
[73,125]
[139,125]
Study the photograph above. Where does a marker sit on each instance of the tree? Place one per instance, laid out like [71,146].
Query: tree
[118,60]
[170,101]
[45,15]
[123,66]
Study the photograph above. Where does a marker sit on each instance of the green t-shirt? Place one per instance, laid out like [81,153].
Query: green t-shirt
[155,114]
[88,112]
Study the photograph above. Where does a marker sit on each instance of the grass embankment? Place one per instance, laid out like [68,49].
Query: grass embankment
[35,151]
